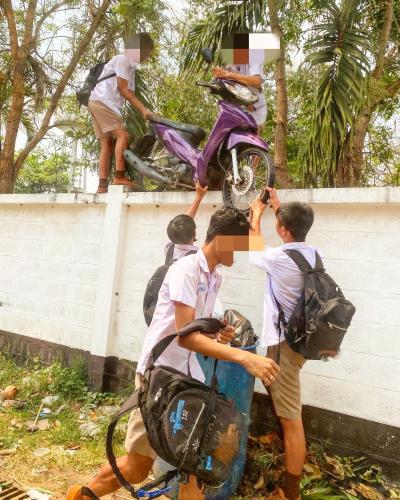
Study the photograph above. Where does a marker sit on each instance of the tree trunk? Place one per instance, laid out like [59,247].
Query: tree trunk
[9,164]
[280,157]
[45,125]
[355,157]
[6,175]
[357,150]
[18,54]
[363,119]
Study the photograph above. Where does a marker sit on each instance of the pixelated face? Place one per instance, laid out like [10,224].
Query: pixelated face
[136,49]
[250,48]
[226,245]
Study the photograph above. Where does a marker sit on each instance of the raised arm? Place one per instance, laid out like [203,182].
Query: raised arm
[257,208]
[200,193]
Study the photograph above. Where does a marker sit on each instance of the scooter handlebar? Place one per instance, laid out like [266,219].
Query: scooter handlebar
[202,83]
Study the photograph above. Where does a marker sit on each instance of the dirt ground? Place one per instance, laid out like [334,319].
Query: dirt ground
[69,446]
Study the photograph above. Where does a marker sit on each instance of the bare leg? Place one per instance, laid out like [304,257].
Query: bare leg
[190,491]
[105,157]
[134,467]
[295,454]
[295,445]
[122,137]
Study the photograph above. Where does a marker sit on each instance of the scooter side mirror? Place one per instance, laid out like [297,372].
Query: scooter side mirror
[207,55]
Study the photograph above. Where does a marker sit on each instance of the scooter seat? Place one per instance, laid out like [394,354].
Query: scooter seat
[198,132]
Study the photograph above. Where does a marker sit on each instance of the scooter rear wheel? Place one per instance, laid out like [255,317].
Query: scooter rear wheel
[256,170]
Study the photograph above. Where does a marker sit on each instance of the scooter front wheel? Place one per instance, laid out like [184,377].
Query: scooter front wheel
[256,170]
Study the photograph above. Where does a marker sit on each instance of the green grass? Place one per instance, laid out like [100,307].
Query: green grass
[34,381]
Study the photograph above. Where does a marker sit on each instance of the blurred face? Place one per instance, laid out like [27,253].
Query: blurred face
[225,246]
[137,56]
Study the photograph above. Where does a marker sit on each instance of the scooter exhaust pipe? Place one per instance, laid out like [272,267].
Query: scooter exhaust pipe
[143,169]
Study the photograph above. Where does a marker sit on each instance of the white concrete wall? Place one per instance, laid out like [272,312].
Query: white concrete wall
[49,257]
[73,271]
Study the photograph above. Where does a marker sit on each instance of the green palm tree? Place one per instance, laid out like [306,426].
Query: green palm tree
[340,47]
[228,17]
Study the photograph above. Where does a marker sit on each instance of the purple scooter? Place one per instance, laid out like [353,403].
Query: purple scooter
[234,158]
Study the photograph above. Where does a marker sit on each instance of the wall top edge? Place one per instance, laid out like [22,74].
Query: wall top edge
[336,196]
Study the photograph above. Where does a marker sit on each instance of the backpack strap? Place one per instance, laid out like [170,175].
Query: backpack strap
[128,406]
[319,266]
[203,325]
[281,323]
[111,75]
[190,252]
[169,257]
[302,263]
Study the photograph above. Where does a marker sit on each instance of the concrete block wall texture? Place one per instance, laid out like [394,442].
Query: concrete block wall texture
[83,286]
[49,256]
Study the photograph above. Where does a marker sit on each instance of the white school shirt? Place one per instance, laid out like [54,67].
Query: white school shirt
[107,91]
[190,282]
[260,107]
[285,281]
[180,250]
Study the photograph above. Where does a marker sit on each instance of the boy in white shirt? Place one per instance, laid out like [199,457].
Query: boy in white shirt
[181,229]
[106,101]
[285,284]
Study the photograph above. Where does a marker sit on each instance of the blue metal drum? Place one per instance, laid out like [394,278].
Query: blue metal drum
[237,385]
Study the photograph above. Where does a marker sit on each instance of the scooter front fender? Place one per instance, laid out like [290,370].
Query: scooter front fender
[246,138]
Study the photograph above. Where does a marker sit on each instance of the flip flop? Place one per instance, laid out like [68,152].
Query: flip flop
[77,492]
[74,492]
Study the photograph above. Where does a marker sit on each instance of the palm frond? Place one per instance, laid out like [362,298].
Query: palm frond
[339,44]
[228,17]
[29,125]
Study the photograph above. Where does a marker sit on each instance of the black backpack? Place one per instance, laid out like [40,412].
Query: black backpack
[91,80]
[322,315]
[189,424]
[153,286]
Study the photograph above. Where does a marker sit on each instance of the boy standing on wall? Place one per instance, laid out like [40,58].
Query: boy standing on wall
[106,101]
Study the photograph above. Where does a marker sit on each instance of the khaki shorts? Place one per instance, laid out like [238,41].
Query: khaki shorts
[285,390]
[136,435]
[105,120]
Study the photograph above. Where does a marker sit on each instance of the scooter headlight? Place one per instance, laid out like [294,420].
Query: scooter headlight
[241,92]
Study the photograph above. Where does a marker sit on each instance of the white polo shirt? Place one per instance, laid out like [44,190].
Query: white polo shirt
[107,91]
[180,250]
[260,107]
[284,280]
[190,282]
